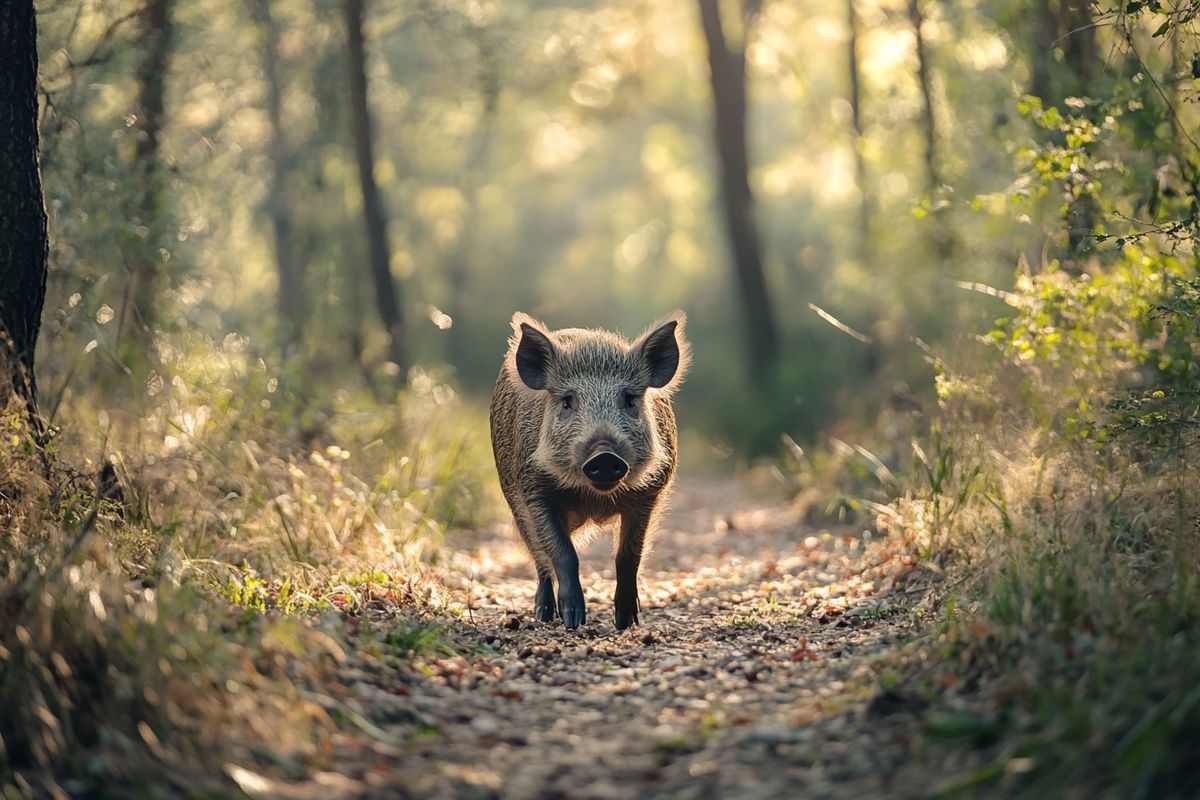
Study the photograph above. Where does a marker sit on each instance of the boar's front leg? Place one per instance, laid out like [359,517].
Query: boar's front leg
[554,539]
[634,524]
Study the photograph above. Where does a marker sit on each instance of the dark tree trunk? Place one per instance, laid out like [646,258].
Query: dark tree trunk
[23,243]
[728,78]
[943,240]
[374,218]
[933,178]
[860,164]
[290,296]
[1079,44]
[146,264]
[1044,32]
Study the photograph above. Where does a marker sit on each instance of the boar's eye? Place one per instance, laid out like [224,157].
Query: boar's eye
[566,405]
[629,402]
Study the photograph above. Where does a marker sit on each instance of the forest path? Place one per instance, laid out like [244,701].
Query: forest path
[750,675]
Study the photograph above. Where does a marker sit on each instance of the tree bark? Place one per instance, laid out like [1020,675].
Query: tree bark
[941,235]
[387,292]
[727,70]
[860,164]
[23,236]
[290,296]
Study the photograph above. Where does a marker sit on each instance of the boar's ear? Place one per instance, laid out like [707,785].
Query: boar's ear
[534,352]
[664,351]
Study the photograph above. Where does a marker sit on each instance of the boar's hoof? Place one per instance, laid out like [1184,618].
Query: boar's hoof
[626,618]
[571,606]
[544,609]
[626,605]
[573,617]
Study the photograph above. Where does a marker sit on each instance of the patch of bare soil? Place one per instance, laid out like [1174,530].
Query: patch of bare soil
[751,675]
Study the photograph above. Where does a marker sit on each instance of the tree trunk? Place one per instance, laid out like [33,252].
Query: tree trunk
[933,178]
[728,79]
[374,218]
[23,242]
[1079,53]
[860,164]
[458,272]
[1068,24]
[1045,33]
[147,266]
[1079,43]
[290,297]
[942,237]
[1174,88]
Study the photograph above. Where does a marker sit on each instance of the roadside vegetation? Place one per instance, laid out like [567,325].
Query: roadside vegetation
[1055,495]
[172,603]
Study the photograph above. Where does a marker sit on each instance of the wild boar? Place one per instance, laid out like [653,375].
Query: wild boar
[583,431]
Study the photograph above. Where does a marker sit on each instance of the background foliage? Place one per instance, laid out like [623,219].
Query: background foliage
[556,158]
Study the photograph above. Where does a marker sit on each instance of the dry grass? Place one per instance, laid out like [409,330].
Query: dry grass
[165,641]
[1071,631]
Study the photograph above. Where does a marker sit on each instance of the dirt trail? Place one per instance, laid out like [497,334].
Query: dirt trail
[750,675]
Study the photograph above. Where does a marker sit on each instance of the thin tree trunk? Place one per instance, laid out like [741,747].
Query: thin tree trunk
[374,217]
[728,79]
[290,297]
[860,164]
[1174,93]
[933,178]
[942,237]
[23,242]
[147,265]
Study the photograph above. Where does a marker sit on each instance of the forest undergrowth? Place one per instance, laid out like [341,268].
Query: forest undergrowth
[1059,492]
[175,600]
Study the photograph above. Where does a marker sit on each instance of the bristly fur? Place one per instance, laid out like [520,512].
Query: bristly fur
[560,395]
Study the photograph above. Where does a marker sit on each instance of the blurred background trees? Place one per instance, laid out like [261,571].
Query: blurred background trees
[287,169]
[285,233]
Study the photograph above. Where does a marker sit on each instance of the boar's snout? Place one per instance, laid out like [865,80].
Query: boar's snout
[604,468]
